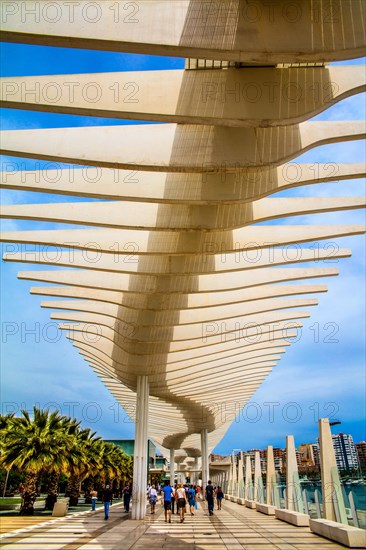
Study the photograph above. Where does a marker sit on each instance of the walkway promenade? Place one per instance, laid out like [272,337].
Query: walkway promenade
[235,527]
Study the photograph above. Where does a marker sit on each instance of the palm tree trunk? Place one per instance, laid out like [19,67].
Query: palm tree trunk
[74,489]
[30,494]
[115,487]
[52,491]
[89,484]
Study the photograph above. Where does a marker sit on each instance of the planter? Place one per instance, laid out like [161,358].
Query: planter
[9,507]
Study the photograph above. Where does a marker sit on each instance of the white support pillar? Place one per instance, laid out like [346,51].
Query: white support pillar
[140,451]
[240,487]
[258,482]
[194,473]
[331,485]
[172,467]
[248,492]
[271,487]
[204,451]
[225,480]
[221,480]
[230,478]
[233,474]
[293,489]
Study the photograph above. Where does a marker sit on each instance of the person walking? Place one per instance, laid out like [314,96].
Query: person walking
[94,498]
[107,500]
[209,493]
[127,497]
[191,495]
[219,497]
[153,495]
[173,500]
[168,493]
[181,501]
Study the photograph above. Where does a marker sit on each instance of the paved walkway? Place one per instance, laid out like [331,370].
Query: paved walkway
[233,528]
[11,520]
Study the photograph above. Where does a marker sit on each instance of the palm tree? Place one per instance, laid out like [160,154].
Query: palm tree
[33,445]
[5,422]
[55,444]
[115,464]
[70,428]
[83,458]
[107,463]
[94,450]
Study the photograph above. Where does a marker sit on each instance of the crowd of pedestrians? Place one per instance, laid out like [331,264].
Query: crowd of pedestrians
[183,498]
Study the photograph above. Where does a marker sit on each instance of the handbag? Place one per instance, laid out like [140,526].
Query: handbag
[195,505]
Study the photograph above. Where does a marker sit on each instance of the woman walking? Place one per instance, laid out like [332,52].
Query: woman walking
[219,497]
[94,498]
[181,501]
[153,495]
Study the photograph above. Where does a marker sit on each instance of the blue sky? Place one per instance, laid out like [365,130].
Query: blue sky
[322,374]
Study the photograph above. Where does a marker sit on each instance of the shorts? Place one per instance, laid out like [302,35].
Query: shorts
[181,503]
[152,500]
[167,504]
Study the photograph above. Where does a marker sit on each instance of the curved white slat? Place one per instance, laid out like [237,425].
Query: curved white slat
[255,33]
[177,148]
[262,97]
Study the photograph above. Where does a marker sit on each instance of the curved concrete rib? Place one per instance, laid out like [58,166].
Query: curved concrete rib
[177,148]
[155,217]
[105,183]
[176,367]
[255,33]
[240,373]
[129,369]
[197,317]
[150,354]
[132,244]
[184,303]
[224,349]
[182,265]
[181,333]
[179,360]
[176,284]
[257,319]
[246,97]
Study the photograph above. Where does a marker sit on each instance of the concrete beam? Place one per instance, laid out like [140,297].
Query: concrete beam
[235,97]
[175,147]
[304,33]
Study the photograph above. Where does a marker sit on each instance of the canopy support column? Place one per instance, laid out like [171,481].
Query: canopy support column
[172,467]
[204,451]
[140,451]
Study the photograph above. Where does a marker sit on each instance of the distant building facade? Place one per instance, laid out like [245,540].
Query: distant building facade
[216,457]
[345,452]
[128,446]
[349,456]
[305,456]
[361,454]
